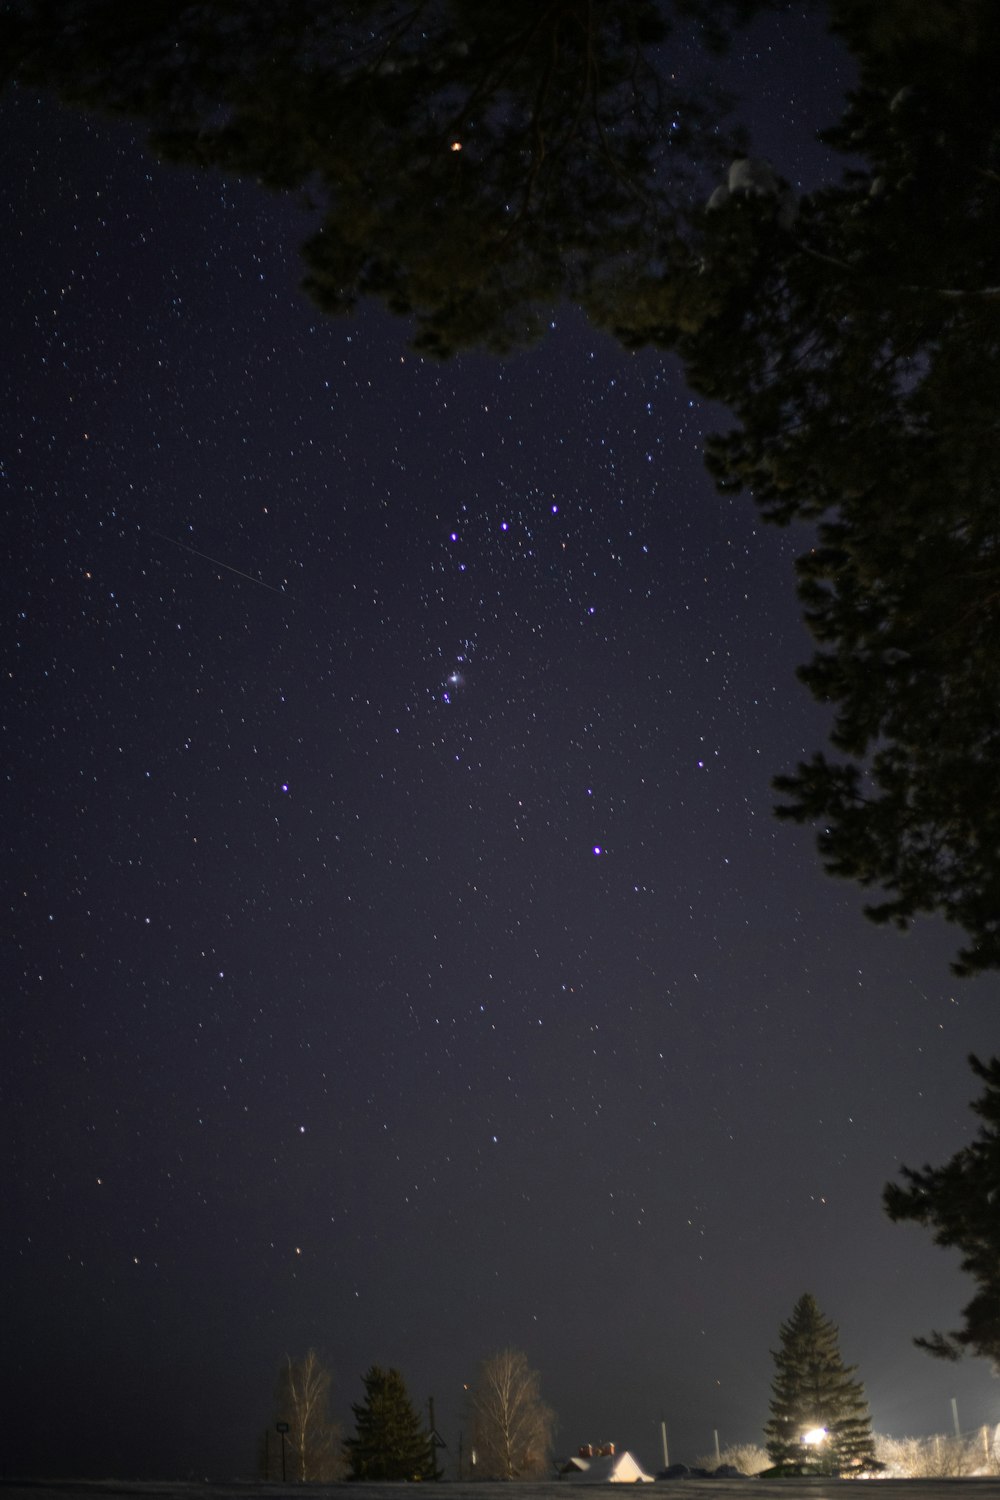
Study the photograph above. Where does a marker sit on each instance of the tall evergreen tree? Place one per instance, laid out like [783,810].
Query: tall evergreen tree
[854,333]
[960,1202]
[813,1389]
[390,1442]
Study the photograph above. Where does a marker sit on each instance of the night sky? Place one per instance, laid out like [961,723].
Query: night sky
[402,957]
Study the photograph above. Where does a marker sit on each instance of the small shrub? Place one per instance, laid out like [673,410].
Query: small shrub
[938,1457]
[749,1458]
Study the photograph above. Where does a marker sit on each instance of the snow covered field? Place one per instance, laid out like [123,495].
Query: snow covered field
[677,1489]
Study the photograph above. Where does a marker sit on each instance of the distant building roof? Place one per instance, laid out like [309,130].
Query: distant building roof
[601,1466]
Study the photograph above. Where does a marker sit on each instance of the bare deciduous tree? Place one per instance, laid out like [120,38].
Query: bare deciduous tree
[511,1424]
[302,1398]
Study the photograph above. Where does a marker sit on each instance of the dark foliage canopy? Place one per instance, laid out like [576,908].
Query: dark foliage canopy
[469,164]
[390,1443]
[960,1203]
[812,1390]
[855,334]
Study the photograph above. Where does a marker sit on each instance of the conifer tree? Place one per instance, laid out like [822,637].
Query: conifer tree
[390,1442]
[960,1203]
[858,347]
[813,1390]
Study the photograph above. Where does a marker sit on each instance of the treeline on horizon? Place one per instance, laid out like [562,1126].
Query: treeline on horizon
[819,1425]
[509,1427]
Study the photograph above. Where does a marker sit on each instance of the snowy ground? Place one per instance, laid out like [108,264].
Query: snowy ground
[676,1489]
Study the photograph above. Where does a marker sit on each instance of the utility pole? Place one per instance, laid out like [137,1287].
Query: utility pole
[663,1435]
[437,1441]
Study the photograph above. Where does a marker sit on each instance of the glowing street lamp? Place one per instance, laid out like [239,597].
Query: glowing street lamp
[814,1437]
